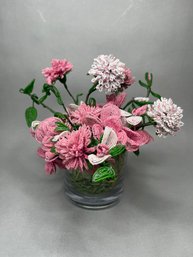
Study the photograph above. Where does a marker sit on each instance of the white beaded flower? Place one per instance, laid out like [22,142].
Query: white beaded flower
[167,116]
[141,99]
[108,72]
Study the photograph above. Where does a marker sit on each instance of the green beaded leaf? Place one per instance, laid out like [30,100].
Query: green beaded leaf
[61,127]
[102,173]
[117,150]
[156,95]
[30,115]
[143,103]
[46,89]
[60,115]
[53,149]
[142,84]
[57,94]
[43,98]
[29,88]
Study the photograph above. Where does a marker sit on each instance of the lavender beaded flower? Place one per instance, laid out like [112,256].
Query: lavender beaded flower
[110,74]
[167,116]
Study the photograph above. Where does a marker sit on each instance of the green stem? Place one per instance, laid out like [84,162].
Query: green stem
[67,115]
[148,92]
[130,102]
[48,108]
[42,104]
[147,124]
[52,111]
[92,89]
[69,93]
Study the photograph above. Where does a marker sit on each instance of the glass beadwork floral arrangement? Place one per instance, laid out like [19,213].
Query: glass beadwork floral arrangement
[89,139]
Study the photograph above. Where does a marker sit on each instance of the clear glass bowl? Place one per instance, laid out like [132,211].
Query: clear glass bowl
[84,193]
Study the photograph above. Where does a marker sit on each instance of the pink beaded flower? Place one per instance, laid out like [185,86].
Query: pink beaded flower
[57,71]
[73,148]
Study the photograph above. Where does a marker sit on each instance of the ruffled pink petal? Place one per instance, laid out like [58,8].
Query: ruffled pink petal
[91,120]
[129,79]
[113,122]
[50,168]
[117,100]
[97,131]
[102,150]
[41,152]
[122,137]
[109,110]
[50,157]
[136,139]
[140,111]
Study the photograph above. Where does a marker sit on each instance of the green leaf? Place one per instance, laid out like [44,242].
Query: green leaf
[94,142]
[46,89]
[143,103]
[155,95]
[146,76]
[142,84]
[117,150]
[42,99]
[29,88]
[60,115]
[57,94]
[53,149]
[90,166]
[137,152]
[61,127]
[149,81]
[30,115]
[102,173]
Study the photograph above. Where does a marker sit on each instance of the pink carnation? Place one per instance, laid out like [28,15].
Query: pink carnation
[57,71]
[46,128]
[140,111]
[129,79]
[73,148]
[50,166]
[117,100]
[44,134]
[79,116]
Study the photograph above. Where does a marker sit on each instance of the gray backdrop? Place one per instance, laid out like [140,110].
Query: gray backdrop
[154,218]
